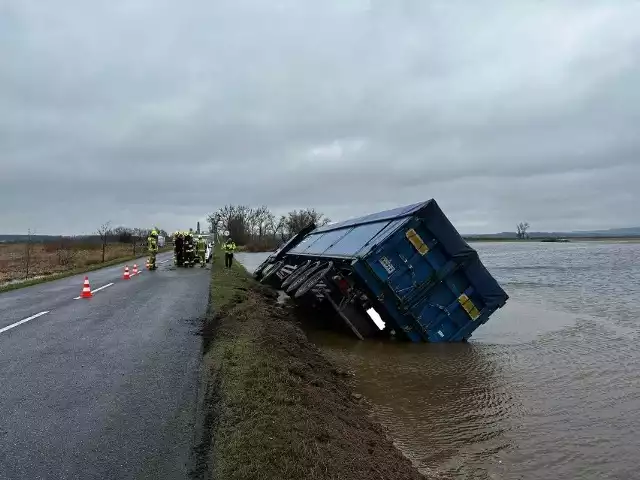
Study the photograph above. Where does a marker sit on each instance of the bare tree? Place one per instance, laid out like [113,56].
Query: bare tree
[214,224]
[281,228]
[104,232]
[297,220]
[523,229]
[28,252]
[65,253]
[259,225]
[136,236]
[266,222]
[232,218]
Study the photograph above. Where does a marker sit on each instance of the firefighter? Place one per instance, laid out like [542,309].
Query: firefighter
[189,252]
[201,248]
[229,247]
[178,248]
[152,246]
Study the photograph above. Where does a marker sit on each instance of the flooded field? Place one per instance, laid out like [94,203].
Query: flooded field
[547,389]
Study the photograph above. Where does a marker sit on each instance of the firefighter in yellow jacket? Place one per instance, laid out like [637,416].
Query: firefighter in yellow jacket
[201,250]
[152,246]
[229,247]
[178,248]
[189,250]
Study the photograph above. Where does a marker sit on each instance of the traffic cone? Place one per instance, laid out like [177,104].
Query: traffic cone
[126,273]
[86,289]
[135,269]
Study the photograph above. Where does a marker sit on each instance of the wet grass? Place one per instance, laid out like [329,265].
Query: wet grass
[275,407]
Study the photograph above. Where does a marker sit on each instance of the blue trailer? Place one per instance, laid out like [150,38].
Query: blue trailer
[405,272]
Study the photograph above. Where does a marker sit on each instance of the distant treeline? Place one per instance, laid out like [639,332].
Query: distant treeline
[113,235]
[618,233]
[257,228]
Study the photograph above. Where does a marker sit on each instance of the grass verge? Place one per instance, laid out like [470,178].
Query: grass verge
[274,406]
[69,273]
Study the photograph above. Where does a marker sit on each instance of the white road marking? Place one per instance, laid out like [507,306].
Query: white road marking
[164,261]
[96,290]
[102,288]
[13,325]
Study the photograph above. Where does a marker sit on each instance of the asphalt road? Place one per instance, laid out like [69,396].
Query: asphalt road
[104,387]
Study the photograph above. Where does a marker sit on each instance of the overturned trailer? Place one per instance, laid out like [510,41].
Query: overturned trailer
[405,271]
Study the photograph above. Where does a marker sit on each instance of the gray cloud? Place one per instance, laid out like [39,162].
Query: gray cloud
[146,112]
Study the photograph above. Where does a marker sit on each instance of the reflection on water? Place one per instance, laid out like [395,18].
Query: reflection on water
[547,389]
[445,406]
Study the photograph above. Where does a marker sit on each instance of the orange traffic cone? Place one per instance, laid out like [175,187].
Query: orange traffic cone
[135,269]
[86,289]
[126,273]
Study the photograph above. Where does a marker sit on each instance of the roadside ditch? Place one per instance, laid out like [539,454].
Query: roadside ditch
[272,406]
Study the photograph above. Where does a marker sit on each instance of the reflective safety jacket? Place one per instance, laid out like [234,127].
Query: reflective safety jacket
[201,245]
[229,247]
[188,243]
[152,243]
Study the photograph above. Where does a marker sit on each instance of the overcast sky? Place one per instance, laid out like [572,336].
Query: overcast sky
[157,112]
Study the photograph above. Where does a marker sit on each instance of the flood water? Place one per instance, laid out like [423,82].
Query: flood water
[549,388]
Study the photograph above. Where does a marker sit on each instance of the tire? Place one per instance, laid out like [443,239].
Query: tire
[271,270]
[313,280]
[295,274]
[305,275]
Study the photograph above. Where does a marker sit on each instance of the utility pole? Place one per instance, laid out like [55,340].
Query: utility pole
[198,231]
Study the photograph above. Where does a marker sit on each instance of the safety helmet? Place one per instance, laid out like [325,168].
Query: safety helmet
[154,232]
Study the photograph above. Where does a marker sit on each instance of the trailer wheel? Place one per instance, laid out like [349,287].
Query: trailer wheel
[270,270]
[296,274]
[300,279]
[313,280]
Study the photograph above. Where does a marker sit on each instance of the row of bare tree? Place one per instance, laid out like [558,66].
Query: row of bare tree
[259,227]
[134,236]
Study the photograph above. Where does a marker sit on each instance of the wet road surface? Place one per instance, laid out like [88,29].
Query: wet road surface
[103,387]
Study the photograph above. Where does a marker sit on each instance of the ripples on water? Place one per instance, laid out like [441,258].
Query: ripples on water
[547,389]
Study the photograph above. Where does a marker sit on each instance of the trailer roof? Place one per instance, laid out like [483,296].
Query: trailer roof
[392,214]
[356,236]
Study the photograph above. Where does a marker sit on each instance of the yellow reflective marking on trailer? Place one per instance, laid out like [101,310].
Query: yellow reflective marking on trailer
[417,241]
[469,307]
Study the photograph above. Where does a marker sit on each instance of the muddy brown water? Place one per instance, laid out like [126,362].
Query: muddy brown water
[549,388]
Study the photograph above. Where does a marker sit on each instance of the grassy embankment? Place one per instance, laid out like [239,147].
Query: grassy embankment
[275,408]
[48,263]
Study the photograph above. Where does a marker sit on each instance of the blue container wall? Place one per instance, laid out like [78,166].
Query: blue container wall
[422,292]
[433,288]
